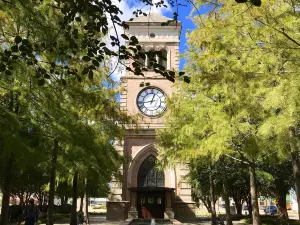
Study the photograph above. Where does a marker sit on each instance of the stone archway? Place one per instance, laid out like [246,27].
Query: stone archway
[138,158]
[166,188]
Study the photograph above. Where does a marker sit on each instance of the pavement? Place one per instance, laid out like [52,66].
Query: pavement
[101,220]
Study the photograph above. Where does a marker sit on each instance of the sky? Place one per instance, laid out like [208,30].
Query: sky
[128,6]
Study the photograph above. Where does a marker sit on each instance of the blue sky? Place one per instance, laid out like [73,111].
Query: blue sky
[185,18]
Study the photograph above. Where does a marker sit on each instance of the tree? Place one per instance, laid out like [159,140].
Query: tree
[238,64]
[63,28]
[199,177]
[210,181]
[239,187]
[277,182]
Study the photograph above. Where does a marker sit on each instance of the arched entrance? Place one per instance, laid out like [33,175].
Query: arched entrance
[151,192]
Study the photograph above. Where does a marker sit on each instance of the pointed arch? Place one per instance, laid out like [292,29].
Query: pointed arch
[149,175]
[138,159]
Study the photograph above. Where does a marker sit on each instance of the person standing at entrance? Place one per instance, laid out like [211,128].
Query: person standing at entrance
[31,213]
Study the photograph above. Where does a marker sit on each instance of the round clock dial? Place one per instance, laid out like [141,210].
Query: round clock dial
[151,101]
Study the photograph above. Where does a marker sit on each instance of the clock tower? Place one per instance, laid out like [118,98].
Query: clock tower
[144,191]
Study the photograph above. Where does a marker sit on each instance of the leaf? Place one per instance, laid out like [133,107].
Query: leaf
[46,76]
[14,57]
[78,19]
[41,82]
[187,79]
[25,42]
[125,36]
[86,58]
[14,48]
[64,82]
[96,63]
[79,79]
[18,39]
[256,2]
[2,67]
[172,73]
[134,40]
[125,25]
[85,70]
[91,74]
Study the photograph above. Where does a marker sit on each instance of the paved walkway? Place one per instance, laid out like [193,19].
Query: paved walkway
[101,220]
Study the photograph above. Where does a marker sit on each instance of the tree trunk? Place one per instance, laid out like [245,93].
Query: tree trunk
[227,202]
[296,174]
[52,182]
[66,199]
[86,202]
[81,202]
[254,201]
[238,206]
[74,199]
[226,194]
[296,165]
[6,191]
[62,200]
[249,204]
[212,196]
[281,205]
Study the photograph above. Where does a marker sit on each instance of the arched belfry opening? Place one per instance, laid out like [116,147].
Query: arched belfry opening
[149,175]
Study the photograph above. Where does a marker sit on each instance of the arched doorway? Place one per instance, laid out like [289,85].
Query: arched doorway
[151,192]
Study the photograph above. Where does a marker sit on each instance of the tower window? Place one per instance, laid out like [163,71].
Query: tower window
[162,60]
[152,57]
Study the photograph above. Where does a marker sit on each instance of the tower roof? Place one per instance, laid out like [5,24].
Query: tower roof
[152,18]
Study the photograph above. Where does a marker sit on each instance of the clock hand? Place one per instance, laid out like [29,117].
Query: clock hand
[148,101]
[153,98]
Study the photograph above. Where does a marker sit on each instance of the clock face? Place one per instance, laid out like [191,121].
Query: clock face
[151,101]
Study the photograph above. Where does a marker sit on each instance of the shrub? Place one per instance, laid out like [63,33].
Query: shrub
[272,220]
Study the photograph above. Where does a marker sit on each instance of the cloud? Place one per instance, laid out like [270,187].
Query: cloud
[128,7]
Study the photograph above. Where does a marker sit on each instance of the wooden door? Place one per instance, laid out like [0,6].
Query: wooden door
[151,204]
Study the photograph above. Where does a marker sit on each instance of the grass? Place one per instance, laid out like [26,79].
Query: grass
[97,213]
[99,207]
[272,220]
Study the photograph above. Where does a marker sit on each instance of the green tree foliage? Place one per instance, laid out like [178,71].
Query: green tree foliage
[57,30]
[276,182]
[243,98]
[77,122]
[200,171]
